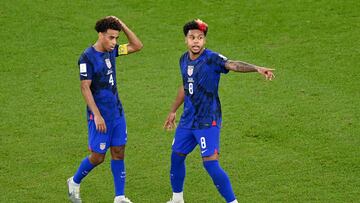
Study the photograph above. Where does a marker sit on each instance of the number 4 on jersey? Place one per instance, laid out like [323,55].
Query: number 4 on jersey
[111,80]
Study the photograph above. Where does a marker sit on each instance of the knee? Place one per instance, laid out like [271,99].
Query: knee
[211,157]
[118,153]
[96,158]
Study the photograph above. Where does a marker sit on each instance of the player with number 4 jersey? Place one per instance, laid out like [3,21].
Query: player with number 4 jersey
[201,120]
[105,114]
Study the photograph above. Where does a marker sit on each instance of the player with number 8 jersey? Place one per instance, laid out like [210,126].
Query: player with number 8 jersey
[201,120]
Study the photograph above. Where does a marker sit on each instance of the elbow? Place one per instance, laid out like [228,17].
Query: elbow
[84,88]
[139,46]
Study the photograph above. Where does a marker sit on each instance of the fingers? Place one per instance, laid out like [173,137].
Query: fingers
[269,75]
[169,125]
[101,127]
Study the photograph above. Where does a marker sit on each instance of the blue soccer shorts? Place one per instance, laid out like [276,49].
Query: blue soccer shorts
[185,140]
[115,135]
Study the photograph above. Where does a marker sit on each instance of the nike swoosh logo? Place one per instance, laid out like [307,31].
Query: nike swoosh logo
[203,151]
[85,75]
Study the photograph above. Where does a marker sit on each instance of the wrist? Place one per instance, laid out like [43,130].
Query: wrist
[97,114]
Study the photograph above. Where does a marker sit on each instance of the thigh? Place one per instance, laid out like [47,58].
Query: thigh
[119,132]
[184,141]
[98,142]
[208,140]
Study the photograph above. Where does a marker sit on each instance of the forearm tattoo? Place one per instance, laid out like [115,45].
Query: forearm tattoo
[240,66]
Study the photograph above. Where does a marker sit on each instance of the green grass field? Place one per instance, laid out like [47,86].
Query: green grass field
[295,139]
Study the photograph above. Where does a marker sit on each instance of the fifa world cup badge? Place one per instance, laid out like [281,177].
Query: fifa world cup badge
[190,70]
[108,63]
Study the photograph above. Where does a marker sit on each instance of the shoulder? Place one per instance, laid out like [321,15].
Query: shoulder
[85,55]
[215,55]
[183,57]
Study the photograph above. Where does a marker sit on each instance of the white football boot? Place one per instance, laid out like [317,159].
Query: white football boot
[74,191]
[122,200]
[173,201]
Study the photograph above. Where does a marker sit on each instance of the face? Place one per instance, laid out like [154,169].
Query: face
[195,41]
[108,39]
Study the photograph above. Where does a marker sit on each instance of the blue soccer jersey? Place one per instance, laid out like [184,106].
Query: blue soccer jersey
[99,67]
[201,82]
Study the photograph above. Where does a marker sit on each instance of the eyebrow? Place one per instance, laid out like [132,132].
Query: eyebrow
[200,35]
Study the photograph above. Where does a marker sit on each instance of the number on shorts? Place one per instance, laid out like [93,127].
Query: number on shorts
[202,142]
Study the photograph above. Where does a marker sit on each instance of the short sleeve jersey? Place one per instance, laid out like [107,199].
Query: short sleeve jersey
[99,67]
[201,78]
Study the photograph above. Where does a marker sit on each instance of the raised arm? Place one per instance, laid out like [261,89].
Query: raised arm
[243,67]
[134,44]
[170,120]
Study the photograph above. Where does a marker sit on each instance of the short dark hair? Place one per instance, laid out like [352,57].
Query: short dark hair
[196,24]
[106,23]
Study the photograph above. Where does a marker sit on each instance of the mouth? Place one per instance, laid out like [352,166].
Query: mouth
[195,48]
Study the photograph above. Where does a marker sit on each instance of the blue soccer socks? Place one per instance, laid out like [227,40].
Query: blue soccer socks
[220,179]
[84,169]
[177,172]
[119,174]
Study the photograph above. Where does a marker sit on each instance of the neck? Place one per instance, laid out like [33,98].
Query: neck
[97,46]
[194,56]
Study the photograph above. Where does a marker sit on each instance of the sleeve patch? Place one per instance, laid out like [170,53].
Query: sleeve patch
[83,68]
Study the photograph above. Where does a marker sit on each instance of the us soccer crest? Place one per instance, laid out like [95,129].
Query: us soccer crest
[102,145]
[190,70]
[108,63]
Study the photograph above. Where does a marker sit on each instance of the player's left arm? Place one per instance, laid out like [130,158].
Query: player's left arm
[134,44]
[243,67]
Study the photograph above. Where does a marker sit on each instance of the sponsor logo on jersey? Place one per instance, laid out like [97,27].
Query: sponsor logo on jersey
[109,72]
[108,63]
[190,70]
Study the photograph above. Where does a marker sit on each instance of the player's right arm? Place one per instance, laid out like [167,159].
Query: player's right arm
[89,99]
[134,43]
[170,120]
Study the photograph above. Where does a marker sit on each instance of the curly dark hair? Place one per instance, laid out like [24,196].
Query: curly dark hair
[196,24]
[106,23]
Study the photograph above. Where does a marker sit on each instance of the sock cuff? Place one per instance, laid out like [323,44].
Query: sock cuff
[117,161]
[177,156]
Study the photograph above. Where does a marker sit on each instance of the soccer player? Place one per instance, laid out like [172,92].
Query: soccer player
[105,114]
[200,122]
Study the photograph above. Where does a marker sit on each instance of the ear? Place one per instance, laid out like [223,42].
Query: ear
[185,40]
